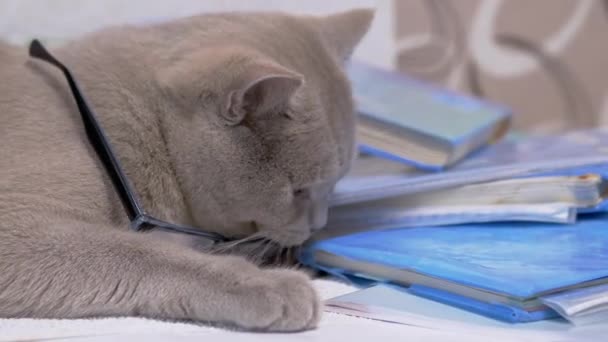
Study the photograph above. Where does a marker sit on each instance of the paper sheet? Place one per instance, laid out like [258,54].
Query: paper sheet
[583,306]
[395,305]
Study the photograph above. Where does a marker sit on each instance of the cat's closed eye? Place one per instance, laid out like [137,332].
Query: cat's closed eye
[287,114]
[300,193]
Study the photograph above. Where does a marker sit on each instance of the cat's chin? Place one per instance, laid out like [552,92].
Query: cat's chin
[288,239]
[263,252]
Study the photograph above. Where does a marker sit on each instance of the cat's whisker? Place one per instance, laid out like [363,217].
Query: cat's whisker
[259,249]
[261,256]
[286,255]
[278,257]
[269,246]
[233,244]
[252,251]
[295,254]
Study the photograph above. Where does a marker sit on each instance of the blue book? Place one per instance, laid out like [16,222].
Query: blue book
[419,124]
[499,270]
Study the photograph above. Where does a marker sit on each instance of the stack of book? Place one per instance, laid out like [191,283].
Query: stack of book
[448,205]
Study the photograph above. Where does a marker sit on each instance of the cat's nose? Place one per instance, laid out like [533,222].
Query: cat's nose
[318,216]
[316,228]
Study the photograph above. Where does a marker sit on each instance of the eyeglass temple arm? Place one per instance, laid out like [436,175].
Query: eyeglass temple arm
[97,137]
[138,217]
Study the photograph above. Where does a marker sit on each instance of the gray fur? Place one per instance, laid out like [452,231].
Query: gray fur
[236,123]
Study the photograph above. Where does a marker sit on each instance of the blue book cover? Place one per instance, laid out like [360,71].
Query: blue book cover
[435,117]
[516,261]
[573,153]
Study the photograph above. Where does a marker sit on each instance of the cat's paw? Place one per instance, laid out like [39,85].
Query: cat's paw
[284,300]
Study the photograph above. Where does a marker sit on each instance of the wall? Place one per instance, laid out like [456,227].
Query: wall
[546,59]
[57,20]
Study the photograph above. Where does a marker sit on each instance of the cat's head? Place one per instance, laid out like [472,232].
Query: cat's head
[254,111]
[261,125]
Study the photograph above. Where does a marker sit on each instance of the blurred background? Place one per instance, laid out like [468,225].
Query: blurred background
[546,59]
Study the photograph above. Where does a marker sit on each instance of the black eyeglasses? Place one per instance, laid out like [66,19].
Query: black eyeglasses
[140,220]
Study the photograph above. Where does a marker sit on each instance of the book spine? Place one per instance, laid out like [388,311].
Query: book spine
[497,311]
[372,151]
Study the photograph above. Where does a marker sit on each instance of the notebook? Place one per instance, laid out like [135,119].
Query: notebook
[500,270]
[576,154]
[547,198]
[420,124]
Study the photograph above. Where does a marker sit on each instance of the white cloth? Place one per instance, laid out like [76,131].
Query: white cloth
[333,327]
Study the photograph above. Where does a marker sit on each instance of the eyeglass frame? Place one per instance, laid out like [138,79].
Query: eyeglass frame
[139,219]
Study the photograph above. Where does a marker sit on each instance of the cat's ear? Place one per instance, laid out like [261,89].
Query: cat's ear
[261,87]
[343,31]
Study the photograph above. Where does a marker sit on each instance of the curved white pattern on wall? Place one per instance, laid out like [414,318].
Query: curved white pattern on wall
[452,43]
[427,41]
[503,62]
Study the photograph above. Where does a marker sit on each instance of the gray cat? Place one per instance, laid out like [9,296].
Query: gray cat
[235,123]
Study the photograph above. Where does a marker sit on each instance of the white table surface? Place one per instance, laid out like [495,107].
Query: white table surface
[333,327]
